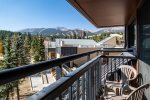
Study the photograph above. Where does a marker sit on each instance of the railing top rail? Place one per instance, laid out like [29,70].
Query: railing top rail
[13,74]
[53,90]
[122,56]
[16,73]
[116,50]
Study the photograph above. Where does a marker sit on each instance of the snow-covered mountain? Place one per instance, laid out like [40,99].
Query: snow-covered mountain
[55,31]
[110,29]
[65,31]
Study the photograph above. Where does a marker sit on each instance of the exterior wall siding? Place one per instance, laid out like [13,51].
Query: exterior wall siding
[112,41]
[84,59]
[144,69]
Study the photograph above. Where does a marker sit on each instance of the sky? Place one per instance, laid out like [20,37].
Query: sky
[20,14]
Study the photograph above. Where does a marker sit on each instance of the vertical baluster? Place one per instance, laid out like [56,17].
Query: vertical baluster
[74,90]
[78,89]
[127,62]
[70,93]
[87,85]
[117,74]
[83,87]
[115,69]
[95,88]
[104,67]
[90,85]
[123,61]
[119,61]
[88,81]
[94,81]
[111,63]
[111,66]
[98,75]
[100,71]
[107,65]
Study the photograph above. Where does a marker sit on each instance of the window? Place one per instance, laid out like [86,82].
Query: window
[132,35]
[144,32]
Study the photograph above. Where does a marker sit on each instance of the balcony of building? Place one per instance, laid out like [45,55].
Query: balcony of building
[83,83]
[88,81]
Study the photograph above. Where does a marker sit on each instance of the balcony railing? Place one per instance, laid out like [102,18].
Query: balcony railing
[82,83]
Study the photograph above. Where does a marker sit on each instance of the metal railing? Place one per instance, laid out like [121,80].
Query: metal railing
[16,73]
[86,78]
[85,81]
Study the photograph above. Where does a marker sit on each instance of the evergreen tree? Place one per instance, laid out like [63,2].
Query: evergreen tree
[7,54]
[34,43]
[37,48]
[17,55]
[1,47]
[41,49]
[27,48]
[6,89]
[17,50]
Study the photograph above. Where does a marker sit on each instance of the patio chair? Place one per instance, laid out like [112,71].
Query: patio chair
[124,74]
[137,94]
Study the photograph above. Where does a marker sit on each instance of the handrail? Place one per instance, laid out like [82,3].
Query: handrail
[16,73]
[127,57]
[116,50]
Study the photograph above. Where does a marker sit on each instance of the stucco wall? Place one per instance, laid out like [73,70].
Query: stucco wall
[84,59]
[144,69]
[111,41]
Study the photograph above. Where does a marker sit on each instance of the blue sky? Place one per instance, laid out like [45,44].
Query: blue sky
[20,14]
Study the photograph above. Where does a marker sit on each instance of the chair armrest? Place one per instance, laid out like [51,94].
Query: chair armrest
[134,78]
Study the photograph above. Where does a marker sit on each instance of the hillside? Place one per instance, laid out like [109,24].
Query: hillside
[62,31]
[55,31]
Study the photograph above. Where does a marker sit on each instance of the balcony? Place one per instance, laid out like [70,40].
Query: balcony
[83,83]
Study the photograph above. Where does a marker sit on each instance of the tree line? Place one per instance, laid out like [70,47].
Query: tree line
[73,36]
[18,49]
[102,36]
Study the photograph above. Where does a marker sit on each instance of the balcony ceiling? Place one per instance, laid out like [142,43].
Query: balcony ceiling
[106,13]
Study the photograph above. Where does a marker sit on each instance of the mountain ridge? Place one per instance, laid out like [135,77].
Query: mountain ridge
[65,31]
